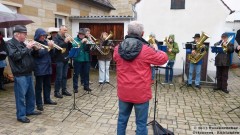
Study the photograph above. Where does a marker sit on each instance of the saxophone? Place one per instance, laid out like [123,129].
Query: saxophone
[199,46]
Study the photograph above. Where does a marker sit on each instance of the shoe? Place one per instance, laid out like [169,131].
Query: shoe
[217,88]
[50,103]
[58,95]
[87,89]
[100,83]
[34,113]
[40,107]
[66,93]
[75,91]
[24,120]
[198,86]
[90,82]
[225,91]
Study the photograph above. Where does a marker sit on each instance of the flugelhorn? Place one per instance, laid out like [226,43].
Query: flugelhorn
[72,39]
[57,46]
[37,44]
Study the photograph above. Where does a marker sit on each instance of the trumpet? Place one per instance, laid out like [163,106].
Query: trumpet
[37,44]
[57,46]
[72,39]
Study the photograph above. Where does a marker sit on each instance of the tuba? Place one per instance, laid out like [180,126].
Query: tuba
[169,46]
[151,40]
[199,46]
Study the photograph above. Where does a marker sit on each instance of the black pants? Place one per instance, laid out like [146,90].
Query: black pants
[43,83]
[222,77]
[1,78]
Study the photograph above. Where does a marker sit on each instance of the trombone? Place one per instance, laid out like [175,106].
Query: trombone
[225,43]
[37,44]
[57,46]
[72,39]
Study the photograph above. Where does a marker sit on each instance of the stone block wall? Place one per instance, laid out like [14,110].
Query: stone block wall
[43,12]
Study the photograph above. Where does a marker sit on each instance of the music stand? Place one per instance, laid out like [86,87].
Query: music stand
[157,128]
[74,107]
[187,46]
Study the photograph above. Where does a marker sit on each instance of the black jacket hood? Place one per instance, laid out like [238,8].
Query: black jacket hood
[130,48]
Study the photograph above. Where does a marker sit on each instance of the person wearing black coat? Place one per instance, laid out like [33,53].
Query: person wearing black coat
[222,62]
[62,62]
[43,70]
[3,63]
[20,56]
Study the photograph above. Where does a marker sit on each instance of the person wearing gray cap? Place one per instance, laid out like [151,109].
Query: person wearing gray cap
[20,56]
[222,63]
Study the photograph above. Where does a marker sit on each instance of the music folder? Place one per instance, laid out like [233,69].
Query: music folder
[217,49]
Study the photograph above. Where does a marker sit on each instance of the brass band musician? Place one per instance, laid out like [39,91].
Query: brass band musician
[194,65]
[172,50]
[81,63]
[104,59]
[62,62]
[43,70]
[222,62]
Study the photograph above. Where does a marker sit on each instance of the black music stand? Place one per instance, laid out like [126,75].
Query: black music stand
[157,128]
[185,83]
[74,107]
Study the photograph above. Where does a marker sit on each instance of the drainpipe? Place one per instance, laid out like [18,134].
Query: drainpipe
[134,10]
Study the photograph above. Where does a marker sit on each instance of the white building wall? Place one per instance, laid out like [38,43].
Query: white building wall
[199,15]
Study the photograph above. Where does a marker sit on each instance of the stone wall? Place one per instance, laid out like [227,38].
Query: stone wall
[123,7]
[43,12]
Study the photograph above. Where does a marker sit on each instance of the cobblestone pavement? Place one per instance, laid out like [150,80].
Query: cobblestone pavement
[178,110]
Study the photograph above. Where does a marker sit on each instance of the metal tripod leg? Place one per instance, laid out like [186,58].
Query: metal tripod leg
[233,109]
[87,92]
[74,107]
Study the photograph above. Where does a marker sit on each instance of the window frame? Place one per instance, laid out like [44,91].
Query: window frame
[177,4]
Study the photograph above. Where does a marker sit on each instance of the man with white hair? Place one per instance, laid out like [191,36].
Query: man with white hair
[20,55]
[133,59]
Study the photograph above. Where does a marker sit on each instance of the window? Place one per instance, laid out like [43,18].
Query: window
[177,4]
[59,20]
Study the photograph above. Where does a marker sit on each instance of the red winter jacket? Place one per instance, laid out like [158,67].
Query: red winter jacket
[133,59]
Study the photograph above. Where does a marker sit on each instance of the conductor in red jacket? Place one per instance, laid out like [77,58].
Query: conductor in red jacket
[133,59]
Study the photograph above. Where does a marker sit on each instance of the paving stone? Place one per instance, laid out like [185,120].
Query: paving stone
[176,111]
